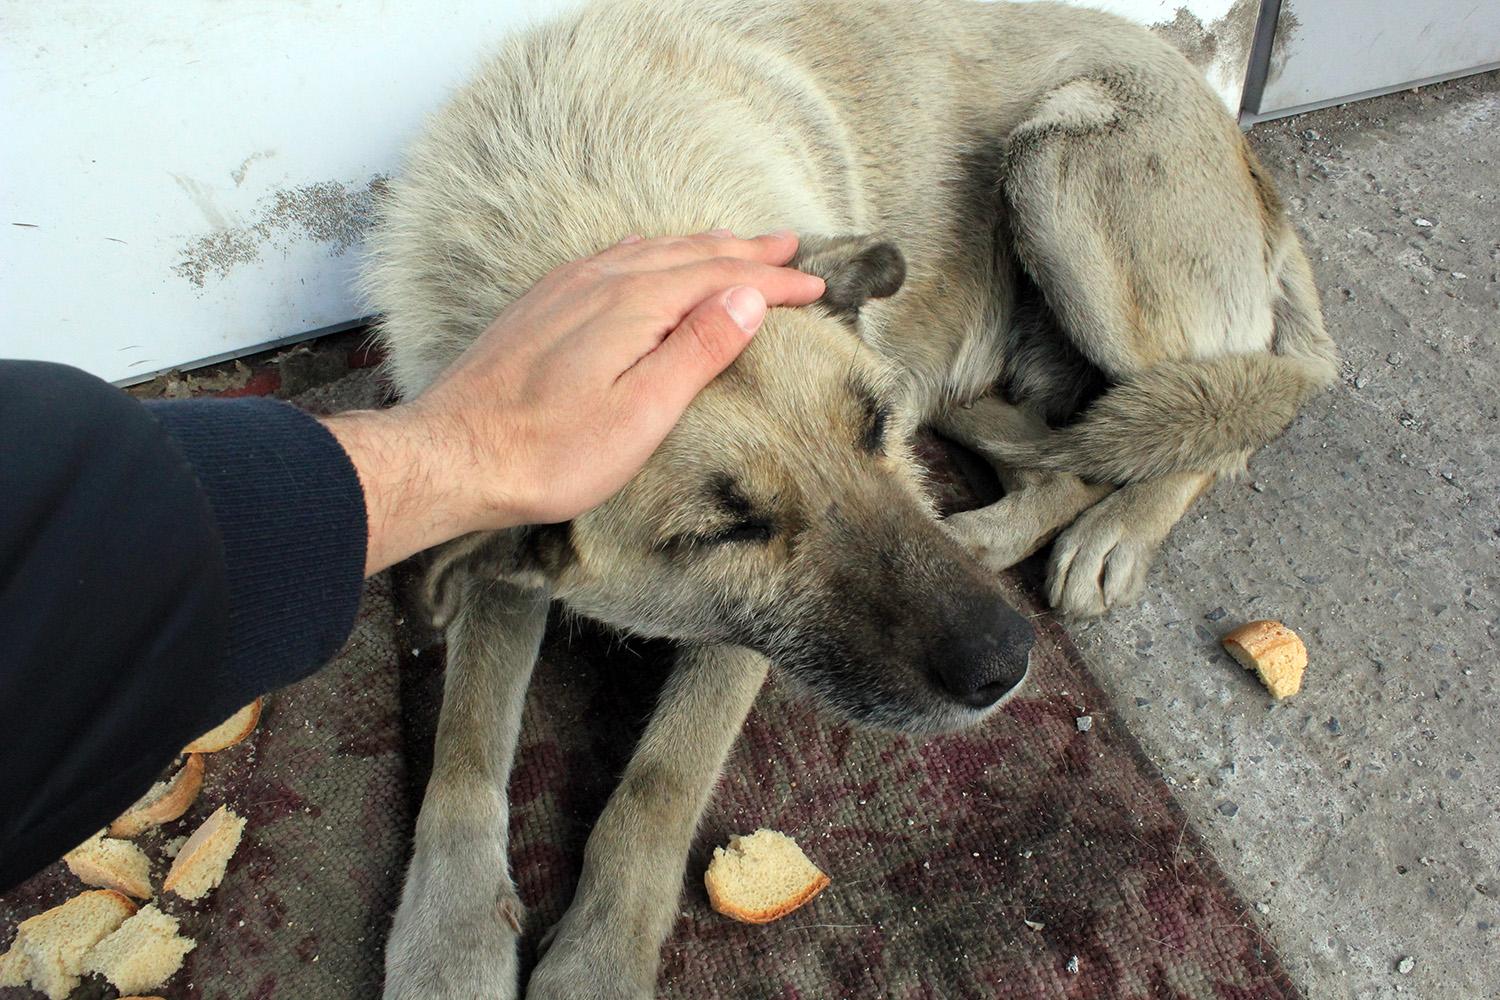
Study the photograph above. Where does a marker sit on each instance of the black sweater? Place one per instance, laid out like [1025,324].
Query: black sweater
[161,565]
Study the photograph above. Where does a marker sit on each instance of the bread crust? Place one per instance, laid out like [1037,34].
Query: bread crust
[198,849]
[1276,654]
[224,736]
[801,898]
[181,792]
[126,870]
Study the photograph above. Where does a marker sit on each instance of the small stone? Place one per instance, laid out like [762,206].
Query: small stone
[1216,614]
[1423,223]
[1262,908]
[1258,486]
[1142,702]
[1360,381]
[1084,723]
[1333,726]
[1459,275]
[1394,359]
[1406,965]
[1073,965]
[1033,924]
[1311,135]
[1228,808]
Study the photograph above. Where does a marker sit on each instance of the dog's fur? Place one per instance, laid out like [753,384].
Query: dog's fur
[1041,233]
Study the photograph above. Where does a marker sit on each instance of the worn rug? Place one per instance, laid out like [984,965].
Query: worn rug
[1038,856]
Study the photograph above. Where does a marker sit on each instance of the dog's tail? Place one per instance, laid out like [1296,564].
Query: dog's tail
[1204,415]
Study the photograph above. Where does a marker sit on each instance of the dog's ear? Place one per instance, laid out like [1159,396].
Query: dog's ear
[855,269]
[530,558]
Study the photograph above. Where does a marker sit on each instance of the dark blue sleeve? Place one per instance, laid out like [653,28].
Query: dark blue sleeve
[160,566]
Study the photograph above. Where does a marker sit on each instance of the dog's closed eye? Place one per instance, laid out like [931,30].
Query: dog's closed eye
[751,531]
[756,531]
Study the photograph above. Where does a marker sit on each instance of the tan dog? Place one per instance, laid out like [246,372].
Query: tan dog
[1040,232]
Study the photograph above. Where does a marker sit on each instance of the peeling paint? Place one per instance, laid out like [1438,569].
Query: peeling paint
[239,172]
[325,212]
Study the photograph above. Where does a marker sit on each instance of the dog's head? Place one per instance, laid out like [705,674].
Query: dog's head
[786,513]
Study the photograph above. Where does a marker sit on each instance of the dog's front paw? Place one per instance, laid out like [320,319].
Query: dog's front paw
[457,946]
[1099,563]
[994,535]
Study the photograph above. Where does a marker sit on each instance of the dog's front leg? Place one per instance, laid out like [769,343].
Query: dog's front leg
[455,932]
[1037,504]
[1101,561]
[608,944]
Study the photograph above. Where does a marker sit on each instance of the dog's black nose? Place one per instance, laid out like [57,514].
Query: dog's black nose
[984,654]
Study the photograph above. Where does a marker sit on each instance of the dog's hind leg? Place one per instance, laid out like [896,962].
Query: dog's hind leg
[1140,213]
[608,944]
[1160,247]
[455,931]
[1037,504]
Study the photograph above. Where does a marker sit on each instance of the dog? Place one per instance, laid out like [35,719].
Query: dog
[1041,235]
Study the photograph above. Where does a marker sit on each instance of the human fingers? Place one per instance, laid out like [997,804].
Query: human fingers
[707,340]
[671,251]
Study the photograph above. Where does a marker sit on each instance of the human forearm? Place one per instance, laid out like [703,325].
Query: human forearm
[414,478]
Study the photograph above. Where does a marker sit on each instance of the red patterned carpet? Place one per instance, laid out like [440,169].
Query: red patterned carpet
[978,865]
[969,866]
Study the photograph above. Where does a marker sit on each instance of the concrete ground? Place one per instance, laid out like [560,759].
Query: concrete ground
[1360,816]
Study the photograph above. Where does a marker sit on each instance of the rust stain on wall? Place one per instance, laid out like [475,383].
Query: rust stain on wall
[325,212]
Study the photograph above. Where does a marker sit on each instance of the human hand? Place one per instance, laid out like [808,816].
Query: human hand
[568,392]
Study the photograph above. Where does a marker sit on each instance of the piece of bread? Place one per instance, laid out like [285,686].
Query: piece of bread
[143,952]
[166,800]
[1273,651]
[50,948]
[229,732]
[199,865]
[761,877]
[14,969]
[111,864]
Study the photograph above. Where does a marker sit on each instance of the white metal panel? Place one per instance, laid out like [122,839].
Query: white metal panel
[189,181]
[186,181]
[1328,51]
